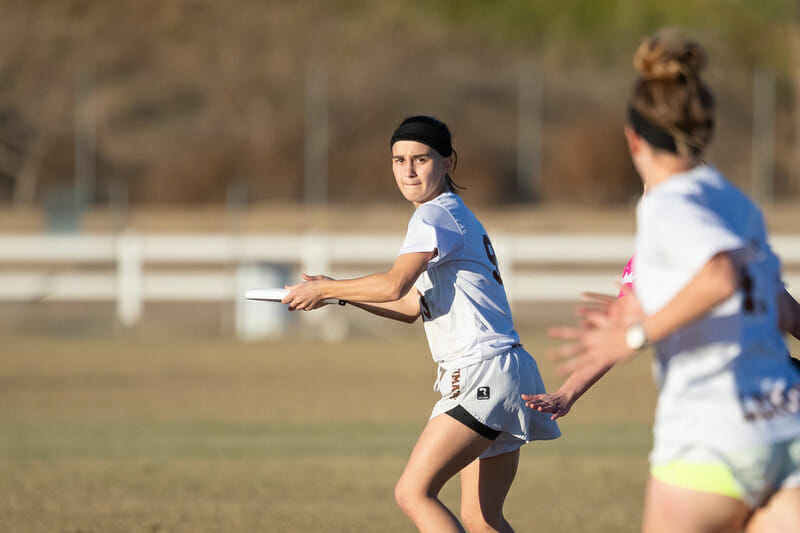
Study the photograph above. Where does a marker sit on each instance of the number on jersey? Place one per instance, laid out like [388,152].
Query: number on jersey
[492,258]
[750,303]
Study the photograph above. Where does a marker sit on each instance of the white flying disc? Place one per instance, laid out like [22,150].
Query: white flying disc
[266,295]
[274,295]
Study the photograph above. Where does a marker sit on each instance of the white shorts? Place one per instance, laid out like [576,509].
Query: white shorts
[751,474]
[490,391]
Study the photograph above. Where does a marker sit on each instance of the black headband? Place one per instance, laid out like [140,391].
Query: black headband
[656,136]
[429,131]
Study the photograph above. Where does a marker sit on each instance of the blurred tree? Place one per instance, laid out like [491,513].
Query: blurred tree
[795,43]
[192,94]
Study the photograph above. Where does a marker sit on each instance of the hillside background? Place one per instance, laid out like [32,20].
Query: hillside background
[189,103]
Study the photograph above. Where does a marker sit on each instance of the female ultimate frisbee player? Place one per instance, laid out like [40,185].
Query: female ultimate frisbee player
[726,451]
[446,271]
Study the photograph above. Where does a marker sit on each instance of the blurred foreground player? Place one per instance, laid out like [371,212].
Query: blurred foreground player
[726,452]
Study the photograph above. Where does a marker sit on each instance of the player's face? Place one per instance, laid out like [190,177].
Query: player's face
[419,171]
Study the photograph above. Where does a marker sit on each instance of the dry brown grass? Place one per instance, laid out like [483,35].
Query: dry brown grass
[181,435]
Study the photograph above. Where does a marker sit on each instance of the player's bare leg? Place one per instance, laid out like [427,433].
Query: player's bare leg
[782,513]
[669,508]
[444,448]
[484,486]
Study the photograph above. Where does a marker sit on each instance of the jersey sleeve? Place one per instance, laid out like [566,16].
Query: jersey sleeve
[687,232]
[627,278]
[433,228]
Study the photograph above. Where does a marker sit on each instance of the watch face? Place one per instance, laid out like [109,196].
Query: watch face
[635,337]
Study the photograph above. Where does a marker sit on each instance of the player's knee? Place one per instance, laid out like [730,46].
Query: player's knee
[411,495]
[401,497]
[406,496]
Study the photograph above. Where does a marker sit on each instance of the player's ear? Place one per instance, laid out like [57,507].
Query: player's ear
[633,140]
[448,164]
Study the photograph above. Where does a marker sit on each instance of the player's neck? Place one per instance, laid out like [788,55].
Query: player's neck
[667,167]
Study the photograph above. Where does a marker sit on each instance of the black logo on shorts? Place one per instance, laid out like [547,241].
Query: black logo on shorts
[483,393]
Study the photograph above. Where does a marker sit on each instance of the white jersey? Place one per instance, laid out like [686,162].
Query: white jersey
[463,303]
[725,379]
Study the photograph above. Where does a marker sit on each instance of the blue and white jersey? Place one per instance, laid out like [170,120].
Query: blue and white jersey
[464,306]
[725,379]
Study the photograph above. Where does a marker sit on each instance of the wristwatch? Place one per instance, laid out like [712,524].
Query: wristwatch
[636,337]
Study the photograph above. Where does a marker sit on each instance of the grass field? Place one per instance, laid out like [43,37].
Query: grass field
[209,435]
[204,435]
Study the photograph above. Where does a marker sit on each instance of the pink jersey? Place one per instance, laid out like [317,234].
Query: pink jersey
[627,276]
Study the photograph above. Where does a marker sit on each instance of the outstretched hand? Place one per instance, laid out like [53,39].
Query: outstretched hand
[306,295]
[598,340]
[594,345]
[556,403]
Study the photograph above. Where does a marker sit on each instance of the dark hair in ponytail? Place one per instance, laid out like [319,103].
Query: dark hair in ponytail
[670,99]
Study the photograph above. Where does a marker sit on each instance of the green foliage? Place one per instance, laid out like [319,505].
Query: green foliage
[752,29]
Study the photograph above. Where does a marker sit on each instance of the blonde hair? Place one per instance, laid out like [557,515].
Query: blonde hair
[670,94]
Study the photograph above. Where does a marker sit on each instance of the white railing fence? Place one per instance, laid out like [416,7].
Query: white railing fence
[131,269]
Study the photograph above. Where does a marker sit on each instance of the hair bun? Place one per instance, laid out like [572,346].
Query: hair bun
[666,55]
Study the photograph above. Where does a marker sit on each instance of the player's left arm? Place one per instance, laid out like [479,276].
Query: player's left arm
[560,402]
[624,309]
[716,282]
[603,341]
[379,288]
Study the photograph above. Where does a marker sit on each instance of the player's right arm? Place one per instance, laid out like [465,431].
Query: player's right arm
[390,294]
[406,309]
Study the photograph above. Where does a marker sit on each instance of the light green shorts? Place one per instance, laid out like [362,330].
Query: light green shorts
[750,474]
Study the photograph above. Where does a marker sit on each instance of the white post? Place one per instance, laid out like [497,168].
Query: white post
[259,320]
[130,283]
[316,260]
